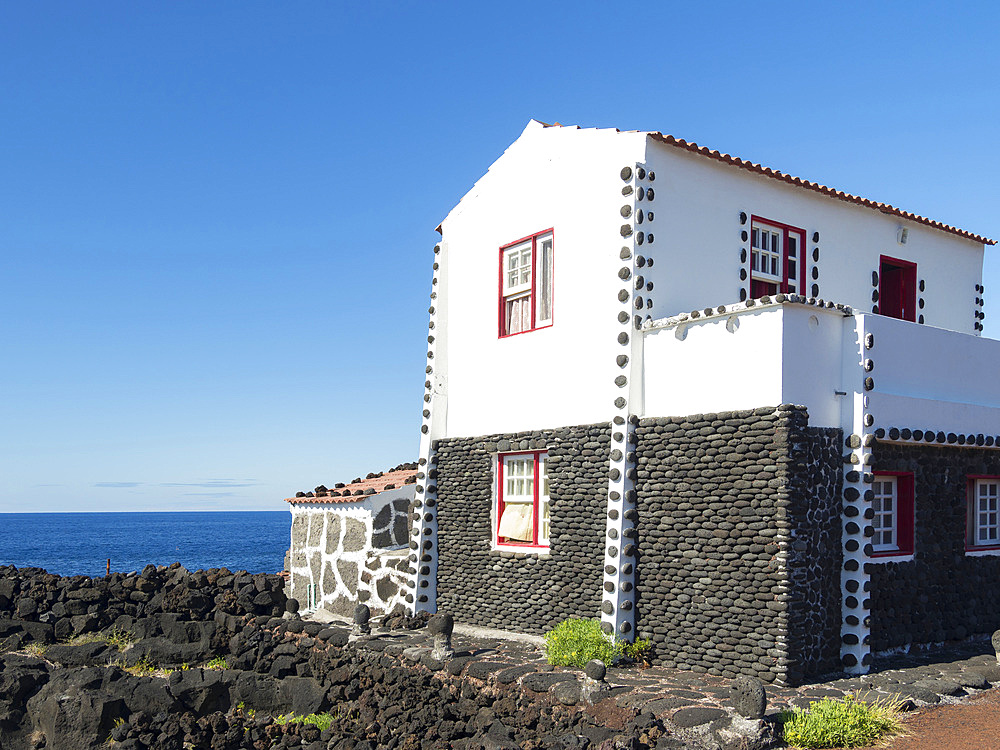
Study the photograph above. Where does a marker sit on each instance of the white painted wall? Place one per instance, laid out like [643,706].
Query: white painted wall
[567,179]
[923,377]
[697,241]
[758,356]
[562,178]
[931,363]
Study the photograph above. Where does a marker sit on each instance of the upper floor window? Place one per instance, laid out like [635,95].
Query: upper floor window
[526,284]
[983,517]
[893,521]
[897,288]
[775,257]
[522,500]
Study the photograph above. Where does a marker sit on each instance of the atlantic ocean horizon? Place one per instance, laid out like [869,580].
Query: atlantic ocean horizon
[81,543]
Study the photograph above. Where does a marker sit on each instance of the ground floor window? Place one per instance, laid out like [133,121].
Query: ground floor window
[893,508]
[522,500]
[983,516]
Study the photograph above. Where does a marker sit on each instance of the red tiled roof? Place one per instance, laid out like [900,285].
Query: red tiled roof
[798,181]
[885,208]
[359,488]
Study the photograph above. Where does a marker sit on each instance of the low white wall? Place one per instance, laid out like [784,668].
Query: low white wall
[758,356]
[890,410]
[932,363]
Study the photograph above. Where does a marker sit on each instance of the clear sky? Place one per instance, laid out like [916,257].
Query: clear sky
[217,218]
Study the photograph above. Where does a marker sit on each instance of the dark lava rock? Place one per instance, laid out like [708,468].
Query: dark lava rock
[483,669]
[596,669]
[696,716]
[566,692]
[541,682]
[749,698]
[84,655]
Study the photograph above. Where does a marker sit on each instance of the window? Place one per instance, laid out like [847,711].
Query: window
[775,257]
[897,288]
[983,525]
[522,509]
[526,284]
[893,520]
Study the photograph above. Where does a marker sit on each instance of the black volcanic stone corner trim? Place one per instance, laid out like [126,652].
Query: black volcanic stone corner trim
[525,592]
[814,552]
[717,502]
[942,594]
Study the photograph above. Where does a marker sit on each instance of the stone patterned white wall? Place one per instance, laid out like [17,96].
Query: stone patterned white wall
[351,552]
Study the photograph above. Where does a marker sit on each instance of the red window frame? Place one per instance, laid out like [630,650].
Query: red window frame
[970,546]
[898,300]
[502,306]
[904,513]
[762,287]
[535,504]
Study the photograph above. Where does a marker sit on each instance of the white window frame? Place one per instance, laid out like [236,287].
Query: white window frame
[538,499]
[757,229]
[885,520]
[984,516]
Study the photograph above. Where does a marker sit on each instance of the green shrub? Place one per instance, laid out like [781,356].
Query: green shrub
[323,721]
[574,642]
[219,662]
[847,722]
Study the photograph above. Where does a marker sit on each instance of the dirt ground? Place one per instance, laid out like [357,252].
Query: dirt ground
[974,725]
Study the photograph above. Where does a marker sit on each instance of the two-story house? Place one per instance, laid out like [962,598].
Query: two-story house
[744,415]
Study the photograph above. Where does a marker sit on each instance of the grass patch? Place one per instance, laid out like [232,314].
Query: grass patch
[846,722]
[117,638]
[574,642]
[142,668]
[35,649]
[324,720]
[219,662]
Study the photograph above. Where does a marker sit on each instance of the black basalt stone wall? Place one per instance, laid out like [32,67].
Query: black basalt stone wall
[814,549]
[942,594]
[720,585]
[522,591]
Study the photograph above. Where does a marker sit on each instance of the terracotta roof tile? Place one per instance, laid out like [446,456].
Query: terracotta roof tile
[359,488]
[885,208]
[792,180]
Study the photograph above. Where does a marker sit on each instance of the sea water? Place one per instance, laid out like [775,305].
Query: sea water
[81,543]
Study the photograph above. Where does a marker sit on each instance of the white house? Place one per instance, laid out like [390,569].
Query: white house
[729,410]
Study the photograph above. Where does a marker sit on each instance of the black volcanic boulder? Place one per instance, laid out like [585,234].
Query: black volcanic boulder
[84,655]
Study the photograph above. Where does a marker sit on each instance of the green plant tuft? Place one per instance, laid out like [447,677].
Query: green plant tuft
[574,642]
[219,662]
[323,721]
[847,722]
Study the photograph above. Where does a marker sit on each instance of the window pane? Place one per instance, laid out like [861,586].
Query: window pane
[545,281]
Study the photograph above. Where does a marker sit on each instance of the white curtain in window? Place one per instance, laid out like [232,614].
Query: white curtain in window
[516,522]
[519,314]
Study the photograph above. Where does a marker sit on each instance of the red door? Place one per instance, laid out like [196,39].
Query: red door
[897,288]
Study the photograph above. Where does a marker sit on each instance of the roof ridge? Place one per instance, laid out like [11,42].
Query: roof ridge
[777,174]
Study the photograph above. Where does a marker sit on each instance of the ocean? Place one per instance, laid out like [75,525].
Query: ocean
[81,543]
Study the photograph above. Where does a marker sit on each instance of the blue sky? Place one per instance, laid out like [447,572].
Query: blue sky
[216,219]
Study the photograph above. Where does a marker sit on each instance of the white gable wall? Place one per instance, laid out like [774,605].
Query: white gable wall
[697,241]
[567,180]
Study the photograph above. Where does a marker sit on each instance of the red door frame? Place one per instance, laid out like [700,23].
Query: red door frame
[903,295]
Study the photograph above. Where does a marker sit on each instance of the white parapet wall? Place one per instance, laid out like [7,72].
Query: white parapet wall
[745,357]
